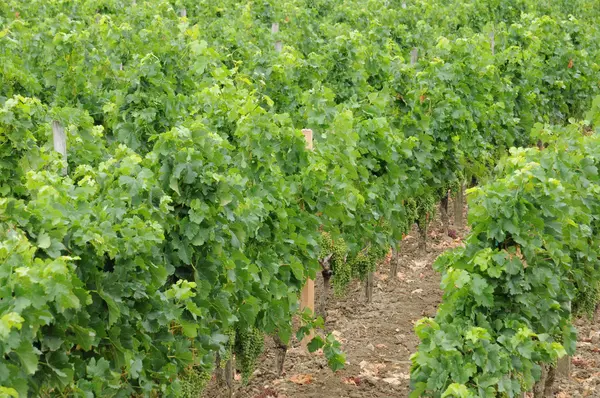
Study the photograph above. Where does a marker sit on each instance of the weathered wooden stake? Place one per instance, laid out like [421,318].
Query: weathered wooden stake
[279,355]
[229,376]
[225,375]
[183,13]
[458,207]
[327,274]
[395,261]
[444,213]
[60,142]
[274,30]
[369,286]
[219,371]
[563,366]
[493,43]
[307,299]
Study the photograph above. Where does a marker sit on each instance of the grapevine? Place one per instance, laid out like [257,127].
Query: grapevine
[326,244]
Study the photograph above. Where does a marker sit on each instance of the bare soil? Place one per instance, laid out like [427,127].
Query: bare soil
[378,337]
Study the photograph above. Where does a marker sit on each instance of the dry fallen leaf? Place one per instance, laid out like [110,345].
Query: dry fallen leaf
[392,380]
[419,265]
[267,393]
[381,276]
[370,369]
[352,380]
[301,379]
[583,363]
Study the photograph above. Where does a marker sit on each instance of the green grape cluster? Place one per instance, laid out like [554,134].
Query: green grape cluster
[326,244]
[362,265]
[248,346]
[194,381]
[366,261]
[341,269]
[588,297]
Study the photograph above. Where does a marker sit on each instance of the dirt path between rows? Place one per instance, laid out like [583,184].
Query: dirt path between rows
[378,338]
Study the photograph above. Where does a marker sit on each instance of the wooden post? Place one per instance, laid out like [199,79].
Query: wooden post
[225,375]
[458,207]
[563,366]
[229,376]
[307,299]
[414,56]
[404,4]
[395,261]
[369,287]
[493,43]
[280,354]
[278,45]
[444,213]
[183,13]
[60,141]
